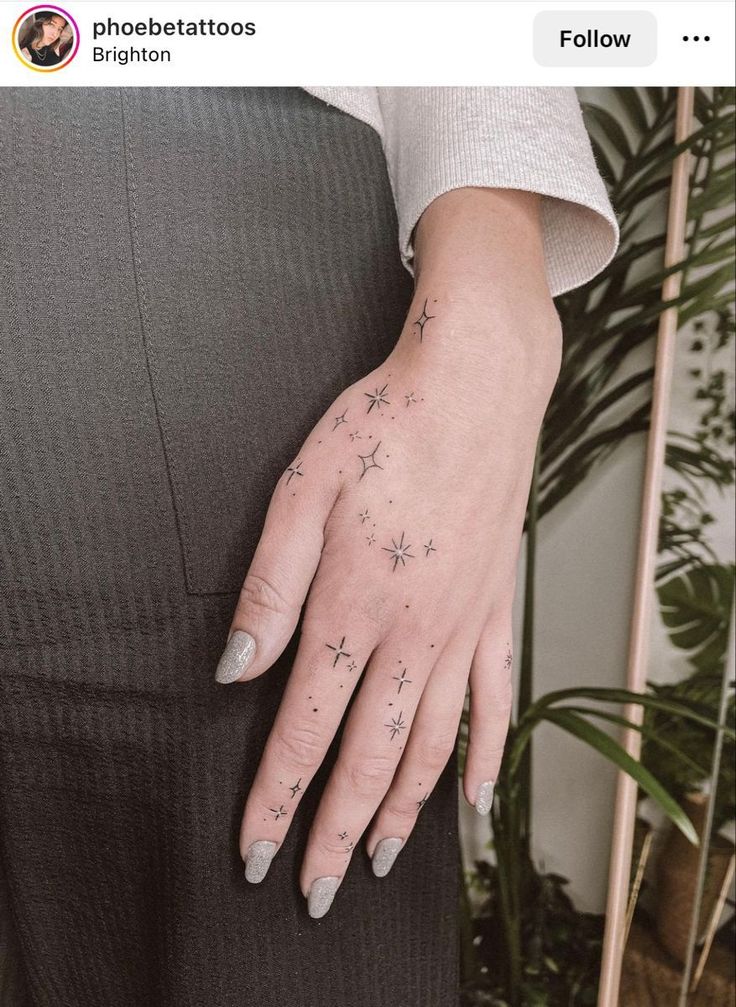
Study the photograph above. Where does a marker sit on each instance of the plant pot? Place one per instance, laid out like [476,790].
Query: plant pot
[677,876]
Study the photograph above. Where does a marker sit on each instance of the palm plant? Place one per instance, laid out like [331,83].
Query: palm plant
[595,407]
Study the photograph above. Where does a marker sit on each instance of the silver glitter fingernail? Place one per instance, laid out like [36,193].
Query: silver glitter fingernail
[321,894]
[384,855]
[237,655]
[258,859]
[484,798]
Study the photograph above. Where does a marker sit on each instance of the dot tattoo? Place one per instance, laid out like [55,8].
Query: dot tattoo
[396,726]
[399,552]
[372,458]
[378,398]
[293,470]
[423,319]
[339,652]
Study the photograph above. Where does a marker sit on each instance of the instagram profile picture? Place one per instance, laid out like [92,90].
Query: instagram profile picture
[45,38]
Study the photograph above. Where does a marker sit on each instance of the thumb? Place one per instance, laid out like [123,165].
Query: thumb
[280,573]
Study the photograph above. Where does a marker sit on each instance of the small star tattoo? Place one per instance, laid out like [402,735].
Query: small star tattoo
[410,398]
[423,319]
[373,463]
[339,419]
[349,847]
[294,471]
[420,804]
[397,725]
[364,515]
[370,538]
[403,680]
[342,835]
[378,398]
[352,666]
[278,812]
[355,436]
[399,552]
[508,659]
[339,652]
[429,547]
[295,788]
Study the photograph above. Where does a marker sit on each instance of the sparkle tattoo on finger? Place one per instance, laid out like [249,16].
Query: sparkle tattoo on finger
[396,726]
[295,788]
[429,547]
[508,659]
[399,552]
[364,515]
[378,398]
[420,804]
[293,470]
[403,680]
[370,539]
[278,812]
[339,652]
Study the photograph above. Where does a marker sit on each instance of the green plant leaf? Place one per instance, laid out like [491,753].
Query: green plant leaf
[603,743]
[695,607]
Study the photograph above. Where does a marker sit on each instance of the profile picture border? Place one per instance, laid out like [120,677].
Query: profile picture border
[56,10]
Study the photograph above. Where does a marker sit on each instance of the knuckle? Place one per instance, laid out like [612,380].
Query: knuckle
[436,750]
[331,845]
[300,746]
[258,592]
[402,810]
[369,776]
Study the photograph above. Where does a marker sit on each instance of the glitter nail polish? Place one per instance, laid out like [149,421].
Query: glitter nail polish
[237,655]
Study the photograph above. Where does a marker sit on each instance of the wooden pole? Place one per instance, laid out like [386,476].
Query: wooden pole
[626,789]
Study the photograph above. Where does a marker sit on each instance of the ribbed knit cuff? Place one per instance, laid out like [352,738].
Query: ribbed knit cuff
[531,138]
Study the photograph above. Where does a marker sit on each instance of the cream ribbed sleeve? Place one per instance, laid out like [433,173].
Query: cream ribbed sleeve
[533,138]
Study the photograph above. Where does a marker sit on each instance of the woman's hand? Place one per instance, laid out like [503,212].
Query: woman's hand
[401,518]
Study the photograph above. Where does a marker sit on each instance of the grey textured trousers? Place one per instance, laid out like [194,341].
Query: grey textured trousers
[189,278]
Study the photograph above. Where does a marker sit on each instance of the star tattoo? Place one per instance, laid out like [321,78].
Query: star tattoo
[278,812]
[423,319]
[339,419]
[355,436]
[352,666]
[399,552]
[372,458]
[378,398]
[370,539]
[342,835]
[403,680]
[339,652]
[294,471]
[364,515]
[429,547]
[295,788]
[397,725]
[420,804]
[508,658]
[410,398]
